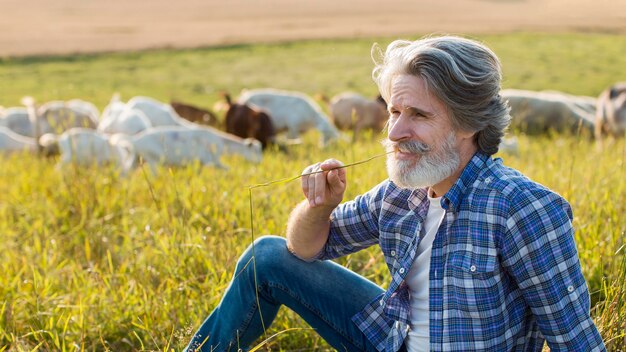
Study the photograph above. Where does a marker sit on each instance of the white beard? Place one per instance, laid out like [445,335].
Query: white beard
[431,168]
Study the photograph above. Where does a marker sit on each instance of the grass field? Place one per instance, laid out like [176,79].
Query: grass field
[92,261]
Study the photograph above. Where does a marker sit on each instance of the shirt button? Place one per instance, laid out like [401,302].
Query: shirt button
[488,179]
[473,268]
[393,253]
[570,288]
[401,270]
[382,303]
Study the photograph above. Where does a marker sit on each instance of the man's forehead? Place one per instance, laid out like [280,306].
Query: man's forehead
[403,102]
[410,91]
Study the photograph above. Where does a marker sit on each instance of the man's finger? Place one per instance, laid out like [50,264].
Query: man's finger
[320,187]
[335,182]
[311,183]
[330,164]
[304,181]
[341,174]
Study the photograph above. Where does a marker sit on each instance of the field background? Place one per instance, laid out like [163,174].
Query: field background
[92,261]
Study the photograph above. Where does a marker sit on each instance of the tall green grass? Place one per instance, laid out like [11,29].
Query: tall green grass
[94,261]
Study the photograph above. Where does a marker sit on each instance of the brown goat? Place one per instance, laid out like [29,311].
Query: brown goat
[247,122]
[611,111]
[354,111]
[194,114]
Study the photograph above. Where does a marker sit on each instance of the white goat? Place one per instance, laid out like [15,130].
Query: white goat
[179,145]
[59,116]
[127,121]
[138,114]
[86,108]
[84,146]
[113,109]
[17,120]
[159,114]
[13,142]
[51,117]
[538,112]
[291,111]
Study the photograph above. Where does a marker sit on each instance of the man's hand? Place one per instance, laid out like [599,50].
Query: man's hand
[324,189]
[323,185]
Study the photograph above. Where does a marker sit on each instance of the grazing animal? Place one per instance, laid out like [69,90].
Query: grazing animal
[14,142]
[179,145]
[159,114]
[538,112]
[59,116]
[291,111]
[194,114]
[138,114]
[354,111]
[84,146]
[52,117]
[122,120]
[112,110]
[249,122]
[610,116]
[85,107]
[17,120]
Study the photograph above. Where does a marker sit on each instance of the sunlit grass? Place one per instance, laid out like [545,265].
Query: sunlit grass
[99,263]
[94,261]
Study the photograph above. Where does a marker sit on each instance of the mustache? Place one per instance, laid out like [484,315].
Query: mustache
[406,146]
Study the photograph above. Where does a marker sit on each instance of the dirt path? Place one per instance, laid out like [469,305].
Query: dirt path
[30,27]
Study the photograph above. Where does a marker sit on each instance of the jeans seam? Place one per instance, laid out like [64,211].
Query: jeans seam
[242,327]
[316,312]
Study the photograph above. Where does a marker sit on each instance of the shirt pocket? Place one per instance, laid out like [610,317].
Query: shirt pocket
[472,264]
[473,283]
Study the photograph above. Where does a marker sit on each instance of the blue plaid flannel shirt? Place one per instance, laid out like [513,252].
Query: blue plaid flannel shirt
[504,271]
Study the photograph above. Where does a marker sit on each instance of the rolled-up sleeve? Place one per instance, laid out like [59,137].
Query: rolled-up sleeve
[540,254]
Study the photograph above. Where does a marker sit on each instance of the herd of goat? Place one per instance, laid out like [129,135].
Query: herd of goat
[144,129]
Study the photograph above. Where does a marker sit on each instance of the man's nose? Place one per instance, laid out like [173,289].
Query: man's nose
[399,129]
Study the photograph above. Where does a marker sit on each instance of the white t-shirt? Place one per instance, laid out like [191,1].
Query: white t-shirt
[418,339]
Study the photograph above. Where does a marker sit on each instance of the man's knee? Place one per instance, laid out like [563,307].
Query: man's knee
[268,245]
[268,252]
[271,252]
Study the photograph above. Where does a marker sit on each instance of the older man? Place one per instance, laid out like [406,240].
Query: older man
[481,258]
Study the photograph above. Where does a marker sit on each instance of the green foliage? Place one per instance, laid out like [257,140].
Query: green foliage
[94,261]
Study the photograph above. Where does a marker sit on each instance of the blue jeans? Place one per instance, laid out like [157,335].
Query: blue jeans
[325,294]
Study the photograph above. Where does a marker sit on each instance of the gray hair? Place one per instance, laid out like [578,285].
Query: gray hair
[464,74]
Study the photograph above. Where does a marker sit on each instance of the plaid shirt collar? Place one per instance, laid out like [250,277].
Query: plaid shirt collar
[452,199]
